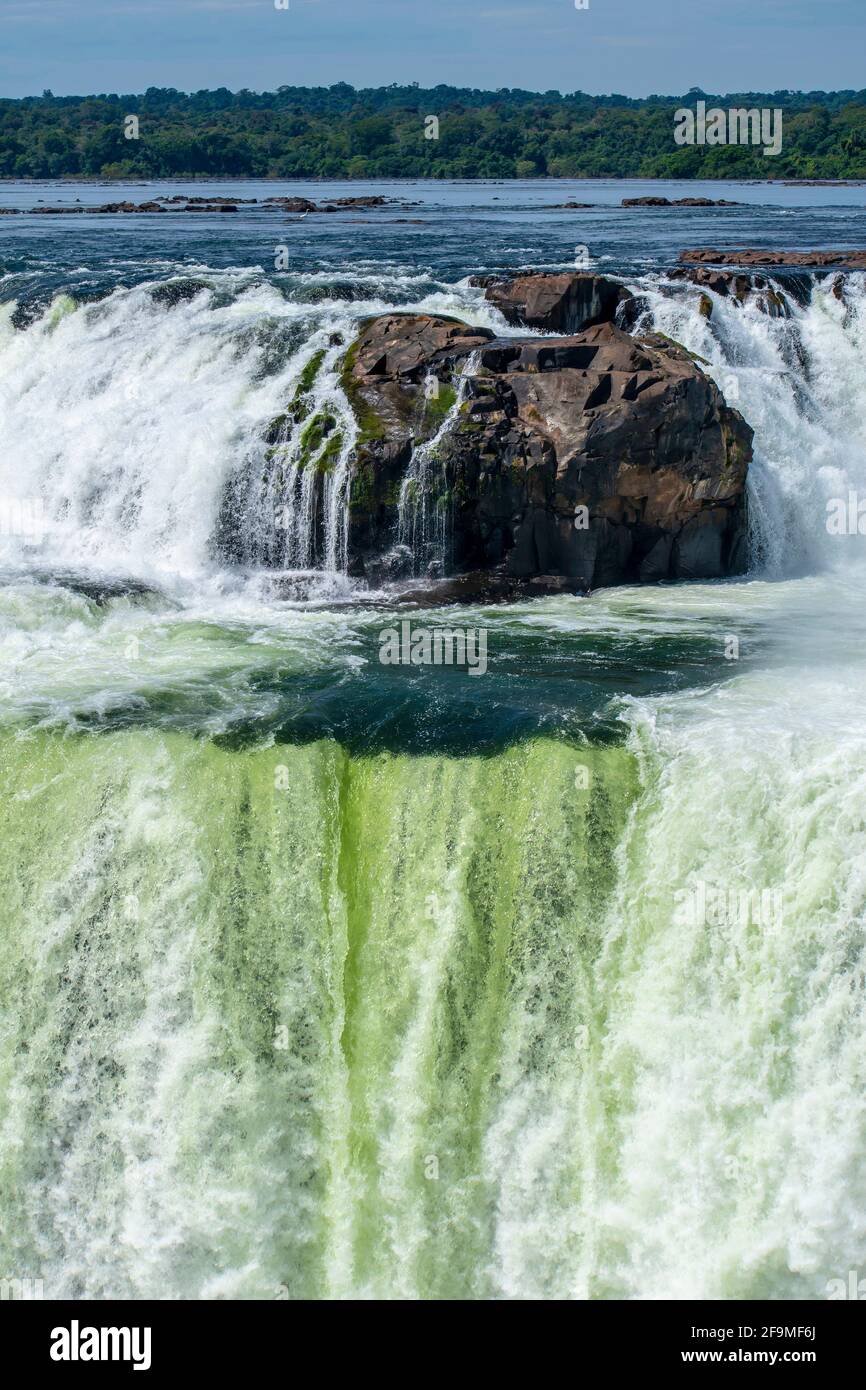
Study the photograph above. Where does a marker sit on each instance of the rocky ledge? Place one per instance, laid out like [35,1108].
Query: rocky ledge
[179,202]
[741,289]
[554,303]
[679,203]
[831,260]
[590,459]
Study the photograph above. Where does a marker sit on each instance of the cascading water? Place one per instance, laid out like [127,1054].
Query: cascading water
[295,1006]
[141,431]
[422,525]
[799,382]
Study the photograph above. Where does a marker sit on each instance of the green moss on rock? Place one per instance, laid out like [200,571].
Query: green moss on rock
[362,487]
[370,427]
[326,460]
[437,407]
[315,433]
[695,356]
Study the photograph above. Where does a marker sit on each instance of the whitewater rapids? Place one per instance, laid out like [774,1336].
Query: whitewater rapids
[316,1016]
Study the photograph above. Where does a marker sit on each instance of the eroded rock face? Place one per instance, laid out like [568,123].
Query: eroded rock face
[601,458]
[565,303]
[739,288]
[586,460]
[403,346]
[386,372]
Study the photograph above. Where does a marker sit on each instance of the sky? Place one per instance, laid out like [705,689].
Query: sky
[635,47]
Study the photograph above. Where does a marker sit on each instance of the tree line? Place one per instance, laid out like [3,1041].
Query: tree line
[341,132]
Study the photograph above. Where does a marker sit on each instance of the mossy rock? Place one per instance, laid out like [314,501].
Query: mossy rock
[278,430]
[300,405]
[327,459]
[315,434]
[362,487]
[370,427]
[674,342]
[438,407]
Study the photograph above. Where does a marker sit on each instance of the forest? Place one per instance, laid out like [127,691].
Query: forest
[386,132]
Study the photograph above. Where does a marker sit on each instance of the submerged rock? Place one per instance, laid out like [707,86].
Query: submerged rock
[172,292]
[478,587]
[28,311]
[586,460]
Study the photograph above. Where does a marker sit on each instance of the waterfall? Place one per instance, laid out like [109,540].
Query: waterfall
[799,382]
[422,524]
[288,1013]
[139,433]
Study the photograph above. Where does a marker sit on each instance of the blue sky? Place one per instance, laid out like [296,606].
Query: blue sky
[631,46]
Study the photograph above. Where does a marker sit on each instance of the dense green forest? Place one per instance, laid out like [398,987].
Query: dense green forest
[338,132]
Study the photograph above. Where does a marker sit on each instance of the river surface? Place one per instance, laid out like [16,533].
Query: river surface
[322,978]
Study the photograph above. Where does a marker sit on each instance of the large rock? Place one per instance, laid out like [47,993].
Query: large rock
[588,460]
[565,303]
[387,370]
[404,347]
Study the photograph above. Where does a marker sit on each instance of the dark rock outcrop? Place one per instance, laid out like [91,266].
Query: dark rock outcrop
[679,203]
[705,203]
[587,460]
[556,303]
[292,204]
[127,207]
[740,288]
[847,260]
[335,205]
[370,201]
[199,198]
[723,282]
[163,205]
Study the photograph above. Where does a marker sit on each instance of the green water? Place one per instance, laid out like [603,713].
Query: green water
[272,1004]
[294,1023]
